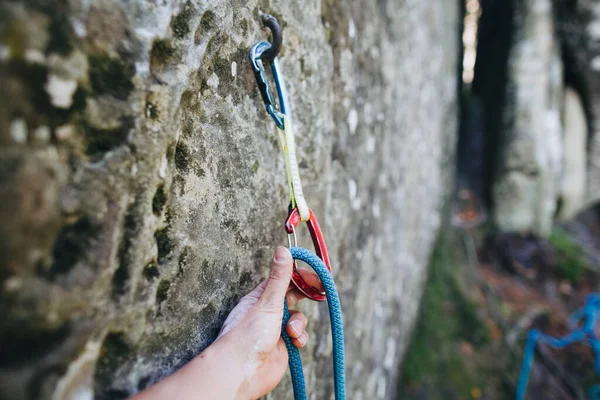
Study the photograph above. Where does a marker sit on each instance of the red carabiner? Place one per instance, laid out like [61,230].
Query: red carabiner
[292,222]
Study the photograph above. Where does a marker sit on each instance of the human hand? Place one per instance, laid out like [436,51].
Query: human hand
[253,328]
[249,357]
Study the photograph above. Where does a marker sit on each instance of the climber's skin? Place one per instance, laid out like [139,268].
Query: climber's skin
[249,357]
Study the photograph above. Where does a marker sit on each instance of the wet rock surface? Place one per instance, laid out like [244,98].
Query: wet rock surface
[143,191]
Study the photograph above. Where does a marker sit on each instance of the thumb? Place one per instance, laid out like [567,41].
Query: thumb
[279,280]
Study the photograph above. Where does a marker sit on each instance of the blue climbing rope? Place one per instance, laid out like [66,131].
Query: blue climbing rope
[583,322]
[337,329]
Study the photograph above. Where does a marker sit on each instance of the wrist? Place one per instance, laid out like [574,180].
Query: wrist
[224,369]
[214,374]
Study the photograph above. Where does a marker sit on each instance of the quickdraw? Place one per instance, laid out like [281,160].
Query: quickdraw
[299,212]
[298,209]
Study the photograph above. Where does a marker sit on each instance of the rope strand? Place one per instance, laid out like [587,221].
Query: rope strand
[337,330]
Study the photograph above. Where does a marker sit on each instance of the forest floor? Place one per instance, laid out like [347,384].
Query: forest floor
[484,293]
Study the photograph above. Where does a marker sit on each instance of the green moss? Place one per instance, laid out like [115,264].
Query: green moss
[162,291]
[130,226]
[179,183]
[215,43]
[199,171]
[79,100]
[150,271]
[61,35]
[163,52]
[469,324]
[433,364]
[114,346]
[180,24]
[120,278]
[111,76]
[231,224]
[204,85]
[208,20]
[113,353]
[151,110]
[171,151]
[159,200]
[184,259]
[206,318]
[71,245]
[306,70]
[243,24]
[99,141]
[190,102]
[255,166]
[187,127]
[164,245]
[14,37]
[182,157]
[570,261]
[222,67]
[245,279]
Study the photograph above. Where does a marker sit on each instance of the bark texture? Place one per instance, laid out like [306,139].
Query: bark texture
[143,191]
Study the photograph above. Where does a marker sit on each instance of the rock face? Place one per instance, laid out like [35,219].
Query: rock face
[574,179]
[537,76]
[143,191]
[579,33]
[527,181]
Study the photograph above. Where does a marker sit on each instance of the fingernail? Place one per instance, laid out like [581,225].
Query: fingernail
[282,254]
[303,338]
[296,326]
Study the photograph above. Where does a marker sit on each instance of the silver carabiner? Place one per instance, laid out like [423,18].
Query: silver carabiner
[265,51]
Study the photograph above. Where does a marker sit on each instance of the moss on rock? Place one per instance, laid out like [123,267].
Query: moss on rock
[110,75]
[180,24]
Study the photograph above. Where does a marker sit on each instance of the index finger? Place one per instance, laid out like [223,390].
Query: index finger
[293,296]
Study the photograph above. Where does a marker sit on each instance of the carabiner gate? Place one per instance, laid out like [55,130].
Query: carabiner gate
[260,52]
[291,223]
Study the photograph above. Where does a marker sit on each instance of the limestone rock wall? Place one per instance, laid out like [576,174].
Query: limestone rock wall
[578,27]
[143,191]
[574,193]
[540,94]
[526,181]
